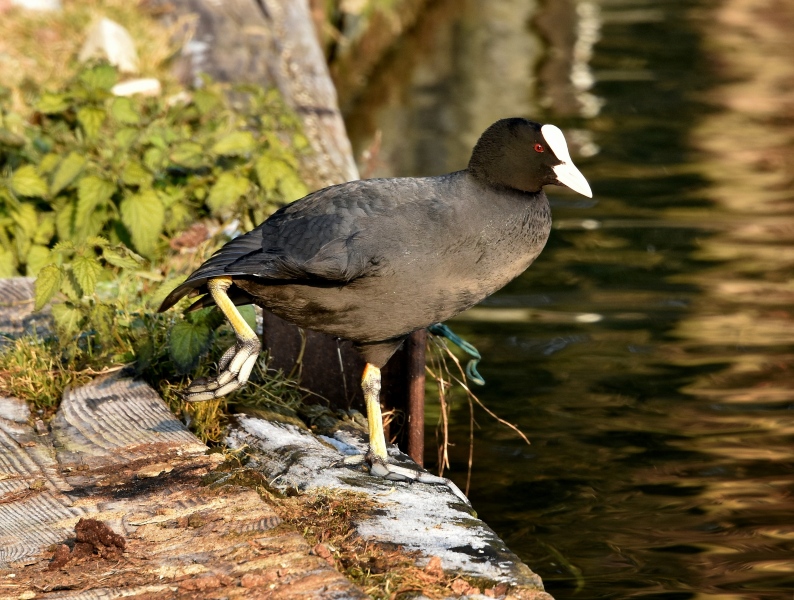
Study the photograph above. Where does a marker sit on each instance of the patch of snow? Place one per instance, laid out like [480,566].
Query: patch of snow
[426,517]
[343,447]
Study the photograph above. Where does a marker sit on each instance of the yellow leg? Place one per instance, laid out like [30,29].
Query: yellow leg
[370,383]
[217,288]
[239,360]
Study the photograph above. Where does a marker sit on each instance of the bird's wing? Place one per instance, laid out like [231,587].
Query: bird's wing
[315,239]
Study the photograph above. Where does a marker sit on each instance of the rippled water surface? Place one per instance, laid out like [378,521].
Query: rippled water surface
[649,352]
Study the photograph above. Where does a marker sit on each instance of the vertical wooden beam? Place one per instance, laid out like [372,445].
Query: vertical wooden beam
[416,396]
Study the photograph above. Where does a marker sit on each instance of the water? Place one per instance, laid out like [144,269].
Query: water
[649,352]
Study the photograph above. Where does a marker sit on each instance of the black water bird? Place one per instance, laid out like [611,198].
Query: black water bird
[372,261]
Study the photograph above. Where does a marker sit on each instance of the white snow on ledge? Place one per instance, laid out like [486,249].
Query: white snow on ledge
[417,516]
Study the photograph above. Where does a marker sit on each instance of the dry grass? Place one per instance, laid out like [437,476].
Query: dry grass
[327,518]
[30,369]
[438,357]
[39,48]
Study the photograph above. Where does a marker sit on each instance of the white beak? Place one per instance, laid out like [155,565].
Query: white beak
[570,176]
[567,174]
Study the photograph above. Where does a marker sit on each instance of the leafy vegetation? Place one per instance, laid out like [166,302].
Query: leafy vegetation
[138,170]
[97,194]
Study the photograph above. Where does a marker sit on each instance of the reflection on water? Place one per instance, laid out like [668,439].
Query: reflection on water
[649,352]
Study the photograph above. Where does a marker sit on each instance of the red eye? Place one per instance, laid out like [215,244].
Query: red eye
[538,148]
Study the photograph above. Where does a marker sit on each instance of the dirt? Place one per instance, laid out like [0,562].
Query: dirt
[92,538]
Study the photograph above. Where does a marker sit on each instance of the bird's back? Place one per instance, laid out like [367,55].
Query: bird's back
[376,259]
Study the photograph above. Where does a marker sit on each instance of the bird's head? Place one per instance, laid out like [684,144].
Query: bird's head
[524,155]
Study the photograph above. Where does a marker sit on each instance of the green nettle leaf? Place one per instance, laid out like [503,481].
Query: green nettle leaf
[165,288]
[49,162]
[22,243]
[8,264]
[126,136]
[46,229]
[172,196]
[178,216]
[189,155]
[64,221]
[100,319]
[97,240]
[123,110]
[51,104]
[27,182]
[154,159]
[135,173]
[92,192]
[91,120]
[276,174]
[235,144]
[248,313]
[67,318]
[70,287]
[65,248]
[187,342]
[101,77]
[96,222]
[205,100]
[24,217]
[38,257]
[86,270]
[47,284]
[117,259]
[227,189]
[70,167]
[291,187]
[143,215]
[269,171]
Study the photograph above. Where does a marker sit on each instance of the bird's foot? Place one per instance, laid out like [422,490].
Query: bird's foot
[235,368]
[389,471]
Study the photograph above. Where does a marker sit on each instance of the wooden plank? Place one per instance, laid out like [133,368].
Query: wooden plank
[117,420]
[121,458]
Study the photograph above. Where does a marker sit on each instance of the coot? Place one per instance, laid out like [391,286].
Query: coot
[372,261]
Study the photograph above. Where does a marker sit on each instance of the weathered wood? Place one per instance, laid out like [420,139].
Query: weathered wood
[115,420]
[34,511]
[271,43]
[428,517]
[16,309]
[368,31]
[122,458]
[415,444]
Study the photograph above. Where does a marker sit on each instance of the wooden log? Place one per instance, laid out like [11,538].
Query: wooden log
[118,456]
[16,309]
[271,43]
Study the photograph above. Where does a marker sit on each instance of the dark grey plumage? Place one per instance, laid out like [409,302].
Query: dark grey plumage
[373,260]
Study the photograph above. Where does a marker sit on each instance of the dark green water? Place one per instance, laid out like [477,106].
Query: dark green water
[648,354]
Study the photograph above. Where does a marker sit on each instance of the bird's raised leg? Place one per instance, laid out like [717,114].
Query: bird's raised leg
[238,361]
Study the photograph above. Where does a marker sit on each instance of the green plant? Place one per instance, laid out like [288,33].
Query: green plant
[138,170]
[93,191]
